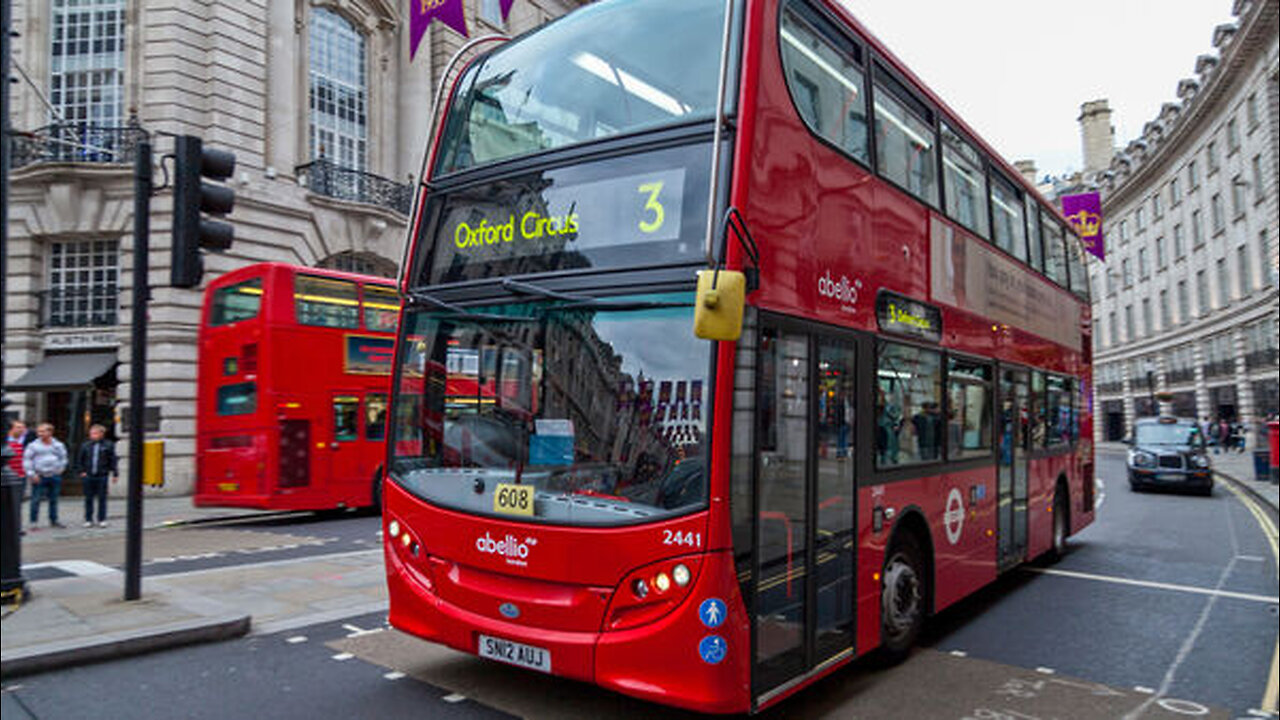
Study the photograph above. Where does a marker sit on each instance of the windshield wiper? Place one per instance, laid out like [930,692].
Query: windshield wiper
[573,301]
[421,298]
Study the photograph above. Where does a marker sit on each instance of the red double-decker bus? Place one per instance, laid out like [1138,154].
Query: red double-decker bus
[292,392]
[716,523]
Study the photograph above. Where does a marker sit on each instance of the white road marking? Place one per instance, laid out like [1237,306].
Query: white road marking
[1144,690]
[1250,558]
[454,698]
[325,616]
[959,653]
[394,675]
[296,639]
[354,631]
[1270,599]
[277,563]
[1045,670]
[1100,492]
[343,656]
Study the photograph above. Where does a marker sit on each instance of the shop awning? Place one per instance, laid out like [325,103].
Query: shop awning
[70,371]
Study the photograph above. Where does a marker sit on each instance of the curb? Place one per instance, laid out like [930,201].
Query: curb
[67,653]
[1266,502]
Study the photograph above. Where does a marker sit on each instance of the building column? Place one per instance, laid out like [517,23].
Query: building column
[1244,389]
[283,114]
[1203,409]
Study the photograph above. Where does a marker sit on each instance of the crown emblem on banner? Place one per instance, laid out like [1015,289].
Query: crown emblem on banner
[1089,224]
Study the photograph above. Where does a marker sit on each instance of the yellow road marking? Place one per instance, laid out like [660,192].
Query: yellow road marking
[1271,695]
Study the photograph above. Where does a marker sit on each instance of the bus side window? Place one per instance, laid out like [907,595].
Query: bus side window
[346,417]
[908,422]
[375,416]
[326,303]
[381,308]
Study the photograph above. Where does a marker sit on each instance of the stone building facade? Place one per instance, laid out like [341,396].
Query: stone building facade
[328,118]
[1185,305]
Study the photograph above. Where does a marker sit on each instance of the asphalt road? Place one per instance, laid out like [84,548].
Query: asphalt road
[1164,608]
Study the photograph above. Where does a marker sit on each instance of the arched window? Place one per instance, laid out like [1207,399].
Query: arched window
[365,263]
[339,126]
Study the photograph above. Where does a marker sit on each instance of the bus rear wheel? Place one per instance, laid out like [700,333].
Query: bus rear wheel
[902,598]
[1061,525]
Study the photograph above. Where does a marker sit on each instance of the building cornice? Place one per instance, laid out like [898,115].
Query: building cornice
[1202,109]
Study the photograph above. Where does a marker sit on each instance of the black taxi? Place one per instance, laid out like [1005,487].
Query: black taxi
[1169,452]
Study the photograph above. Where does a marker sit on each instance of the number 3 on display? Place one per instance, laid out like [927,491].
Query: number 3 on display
[652,205]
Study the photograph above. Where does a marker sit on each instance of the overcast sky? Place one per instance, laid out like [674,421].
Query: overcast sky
[1018,70]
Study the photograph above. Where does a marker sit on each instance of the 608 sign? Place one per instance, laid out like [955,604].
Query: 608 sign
[513,499]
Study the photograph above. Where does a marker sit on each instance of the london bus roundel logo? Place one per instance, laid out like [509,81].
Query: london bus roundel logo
[953,519]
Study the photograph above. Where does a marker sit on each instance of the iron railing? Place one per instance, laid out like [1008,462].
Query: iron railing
[73,142]
[1262,358]
[79,307]
[327,178]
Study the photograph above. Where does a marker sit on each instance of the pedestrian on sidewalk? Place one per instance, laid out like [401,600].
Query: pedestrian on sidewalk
[17,434]
[44,461]
[97,462]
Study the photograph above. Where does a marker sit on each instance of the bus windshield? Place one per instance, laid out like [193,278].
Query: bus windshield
[607,69]
[600,407]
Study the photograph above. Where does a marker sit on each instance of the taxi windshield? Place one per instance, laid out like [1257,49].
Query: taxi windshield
[609,68]
[600,408]
[1168,434]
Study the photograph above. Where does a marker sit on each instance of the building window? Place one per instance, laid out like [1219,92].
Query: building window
[1251,111]
[491,13]
[1113,329]
[1111,283]
[338,93]
[1143,269]
[86,73]
[1224,286]
[1193,175]
[1175,193]
[1124,231]
[1166,313]
[1128,323]
[1179,244]
[1264,255]
[1161,259]
[1256,164]
[1202,292]
[1237,197]
[1184,302]
[1242,267]
[1216,215]
[1197,229]
[1156,209]
[1147,326]
[1211,156]
[83,287]
[1126,271]
[1139,220]
[1233,136]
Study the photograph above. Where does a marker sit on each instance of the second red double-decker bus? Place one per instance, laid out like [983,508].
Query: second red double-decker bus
[715,524]
[292,393]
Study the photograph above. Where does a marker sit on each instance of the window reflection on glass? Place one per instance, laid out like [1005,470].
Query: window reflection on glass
[325,302]
[1055,256]
[608,68]
[1059,415]
[905,147]
[346,417]
[375,416]
[908,422]
[234,303]
[603,410]
[824,79]
[381,308]
[237,399]
[968,409]
[965,182]
[1006,215]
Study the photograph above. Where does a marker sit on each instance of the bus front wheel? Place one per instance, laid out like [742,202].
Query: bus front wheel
[902,598]
[376,493]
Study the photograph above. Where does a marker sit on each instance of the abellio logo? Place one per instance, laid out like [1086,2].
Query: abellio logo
[844,290]
[509,548]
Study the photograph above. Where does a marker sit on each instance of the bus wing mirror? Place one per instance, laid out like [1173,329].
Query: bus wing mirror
[717,311]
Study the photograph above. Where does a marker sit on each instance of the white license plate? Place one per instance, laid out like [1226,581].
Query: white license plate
[514,653]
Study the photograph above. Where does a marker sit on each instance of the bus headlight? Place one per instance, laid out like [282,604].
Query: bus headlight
[662,582]
[681,574]
[394,528]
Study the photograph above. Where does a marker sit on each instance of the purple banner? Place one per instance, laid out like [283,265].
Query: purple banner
[1084,212]
[449,12]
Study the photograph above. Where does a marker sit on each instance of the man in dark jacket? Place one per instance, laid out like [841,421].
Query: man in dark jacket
[97,462]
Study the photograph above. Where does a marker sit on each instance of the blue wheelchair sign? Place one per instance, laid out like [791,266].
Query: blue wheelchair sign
[712,612]
[712,649]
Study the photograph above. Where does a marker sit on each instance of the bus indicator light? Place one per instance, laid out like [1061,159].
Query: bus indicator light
[640,588]
[662,582]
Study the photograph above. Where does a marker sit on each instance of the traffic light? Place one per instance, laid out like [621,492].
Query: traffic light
[191,197]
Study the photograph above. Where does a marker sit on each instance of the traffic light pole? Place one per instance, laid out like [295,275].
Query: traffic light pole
[138,367]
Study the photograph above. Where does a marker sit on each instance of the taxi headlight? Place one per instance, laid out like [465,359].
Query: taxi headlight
[1142,459]
[1200,461]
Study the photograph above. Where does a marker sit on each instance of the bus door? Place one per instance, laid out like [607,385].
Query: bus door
[803,577]
[344,444]
[1011,490]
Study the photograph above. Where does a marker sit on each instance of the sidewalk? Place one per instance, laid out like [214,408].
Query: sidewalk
[1236,468]
[75,612]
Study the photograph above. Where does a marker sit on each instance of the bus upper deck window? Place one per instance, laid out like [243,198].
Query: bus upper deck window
[237,302]
[326,302]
